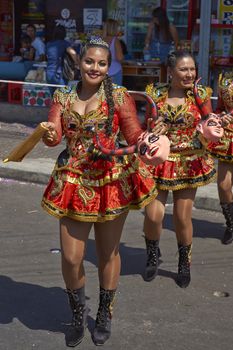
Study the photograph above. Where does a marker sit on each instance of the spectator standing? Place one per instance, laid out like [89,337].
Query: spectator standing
[161,35]
[37,43]
[111,28]
[55,51]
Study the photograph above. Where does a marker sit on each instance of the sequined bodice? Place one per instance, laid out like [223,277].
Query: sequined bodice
[181,120]
[80,130]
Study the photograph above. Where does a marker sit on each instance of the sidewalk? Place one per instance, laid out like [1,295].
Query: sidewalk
[37,166]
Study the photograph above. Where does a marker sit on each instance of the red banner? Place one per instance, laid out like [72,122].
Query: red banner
[6,29]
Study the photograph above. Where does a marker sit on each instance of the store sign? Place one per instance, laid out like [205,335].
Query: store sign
[92,17]
[225,11]
[65,21]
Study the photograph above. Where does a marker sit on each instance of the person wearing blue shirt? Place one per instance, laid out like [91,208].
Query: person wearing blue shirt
[55,51]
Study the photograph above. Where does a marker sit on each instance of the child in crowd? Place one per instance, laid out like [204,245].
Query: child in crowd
[26,50]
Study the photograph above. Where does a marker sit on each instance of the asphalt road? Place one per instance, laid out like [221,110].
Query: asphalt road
[156,316]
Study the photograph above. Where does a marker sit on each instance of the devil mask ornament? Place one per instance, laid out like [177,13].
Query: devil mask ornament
[211,128]
[153,149]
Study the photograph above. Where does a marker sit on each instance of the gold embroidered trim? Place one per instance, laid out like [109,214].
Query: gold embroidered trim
[119,174]
[187,154]
[160,92]
[96,217]
[187,184]
[86,193]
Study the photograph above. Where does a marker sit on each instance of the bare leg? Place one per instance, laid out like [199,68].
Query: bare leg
[153,224]
[73,236]
[182,217]
[154,214]
[107,236]
[225,182]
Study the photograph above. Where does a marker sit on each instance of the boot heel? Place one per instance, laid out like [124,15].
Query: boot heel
[184,276]
[102,331]
[76,331]
[227,209]
[153,255]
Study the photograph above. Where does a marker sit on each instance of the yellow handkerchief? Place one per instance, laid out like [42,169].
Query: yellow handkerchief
[20,151]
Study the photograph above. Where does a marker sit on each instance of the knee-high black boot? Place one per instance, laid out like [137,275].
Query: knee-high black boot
[153,255]
[80,311]
[102,329]
[227,209]
[184,277]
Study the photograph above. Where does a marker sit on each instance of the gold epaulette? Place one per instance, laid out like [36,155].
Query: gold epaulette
[225,79]
[204,92]
[62,94]
[158,92]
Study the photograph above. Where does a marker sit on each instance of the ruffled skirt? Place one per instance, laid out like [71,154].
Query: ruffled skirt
[223,150]
[185,171]
[98,196]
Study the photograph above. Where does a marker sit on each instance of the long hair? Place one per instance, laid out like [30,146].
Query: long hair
[108,88]
[161,15]
[111,27]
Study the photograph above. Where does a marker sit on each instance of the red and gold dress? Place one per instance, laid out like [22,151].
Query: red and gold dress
[188,165]
[223,150]
[86,185]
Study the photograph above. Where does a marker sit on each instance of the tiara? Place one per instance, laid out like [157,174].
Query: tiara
[98,41]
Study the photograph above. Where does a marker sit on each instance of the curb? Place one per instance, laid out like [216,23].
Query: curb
[25,171]
[39,171]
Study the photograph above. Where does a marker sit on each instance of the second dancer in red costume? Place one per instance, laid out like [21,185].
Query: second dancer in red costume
[188,166]
[223,151]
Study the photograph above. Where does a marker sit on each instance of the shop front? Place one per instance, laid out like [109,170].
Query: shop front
[82,18]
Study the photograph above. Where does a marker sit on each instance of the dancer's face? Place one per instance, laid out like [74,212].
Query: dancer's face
[183,74]
[94,65]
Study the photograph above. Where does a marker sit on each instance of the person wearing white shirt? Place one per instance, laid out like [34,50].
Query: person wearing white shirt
[37,43]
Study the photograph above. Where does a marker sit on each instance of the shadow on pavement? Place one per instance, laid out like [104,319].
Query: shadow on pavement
[201,228]
[35,306]
[133,260]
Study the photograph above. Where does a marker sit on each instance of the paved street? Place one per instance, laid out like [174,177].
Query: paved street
[155,316]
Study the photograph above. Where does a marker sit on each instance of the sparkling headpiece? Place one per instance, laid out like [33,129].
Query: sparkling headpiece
[99,41]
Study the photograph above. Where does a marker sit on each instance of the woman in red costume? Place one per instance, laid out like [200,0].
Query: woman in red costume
[188,165]
[223,150]
[89,188]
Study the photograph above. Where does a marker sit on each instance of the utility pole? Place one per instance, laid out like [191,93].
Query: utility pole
[204,41]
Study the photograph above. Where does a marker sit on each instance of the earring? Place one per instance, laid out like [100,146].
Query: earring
[169,78]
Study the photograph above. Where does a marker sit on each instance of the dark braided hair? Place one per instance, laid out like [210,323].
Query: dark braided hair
[108,88]
[175,56]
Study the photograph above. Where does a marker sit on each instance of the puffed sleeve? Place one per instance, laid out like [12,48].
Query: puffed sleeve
[55,117]
[128,119]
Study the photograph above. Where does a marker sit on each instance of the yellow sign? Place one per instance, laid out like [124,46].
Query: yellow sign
[225,11]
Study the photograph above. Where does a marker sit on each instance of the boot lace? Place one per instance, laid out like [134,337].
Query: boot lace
[153,253]
[103,316]
[184,260]
[77,320]
[228,213]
